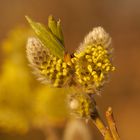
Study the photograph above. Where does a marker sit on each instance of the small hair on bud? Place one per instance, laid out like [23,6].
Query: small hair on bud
[36,53]
[98,36]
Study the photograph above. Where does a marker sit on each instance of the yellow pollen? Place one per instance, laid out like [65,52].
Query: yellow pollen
[99,64]
[89,68]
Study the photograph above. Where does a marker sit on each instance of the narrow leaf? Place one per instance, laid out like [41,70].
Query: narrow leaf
[47,38]
[55,27]
[60,33]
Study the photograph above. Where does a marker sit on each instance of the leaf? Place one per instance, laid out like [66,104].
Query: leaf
[55,27]
[48,39]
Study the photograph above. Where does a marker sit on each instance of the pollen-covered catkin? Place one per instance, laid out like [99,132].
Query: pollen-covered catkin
[47,67]
[93,60]
[88,68]
[81,105]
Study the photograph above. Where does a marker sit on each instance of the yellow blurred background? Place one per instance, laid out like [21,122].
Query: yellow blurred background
[121,19]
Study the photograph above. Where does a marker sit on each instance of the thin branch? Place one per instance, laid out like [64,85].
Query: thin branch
[101,127]
[112,124]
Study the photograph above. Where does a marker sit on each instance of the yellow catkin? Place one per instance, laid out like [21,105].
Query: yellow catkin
[89,66]
[92,65]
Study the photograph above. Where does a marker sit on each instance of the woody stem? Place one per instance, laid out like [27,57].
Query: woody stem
[112,124]
[100,125]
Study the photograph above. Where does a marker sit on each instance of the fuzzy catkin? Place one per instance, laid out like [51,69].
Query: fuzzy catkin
[93,60]
[47,67]
[81,105]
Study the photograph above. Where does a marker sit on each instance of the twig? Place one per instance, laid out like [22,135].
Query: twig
[101,127]
[112,124]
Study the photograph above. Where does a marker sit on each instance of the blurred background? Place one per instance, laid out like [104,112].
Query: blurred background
[20,117]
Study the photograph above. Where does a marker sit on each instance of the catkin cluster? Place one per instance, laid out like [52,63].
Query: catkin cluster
[87,69]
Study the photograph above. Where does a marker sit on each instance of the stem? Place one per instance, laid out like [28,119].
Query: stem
[112,124]
[100,125]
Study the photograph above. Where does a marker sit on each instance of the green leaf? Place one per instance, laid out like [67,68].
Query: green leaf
[55,27]
[48,39]
[60,33]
